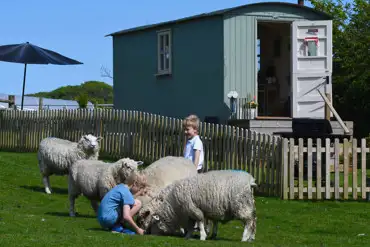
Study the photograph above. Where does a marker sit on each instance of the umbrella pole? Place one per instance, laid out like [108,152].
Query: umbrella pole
[24,84]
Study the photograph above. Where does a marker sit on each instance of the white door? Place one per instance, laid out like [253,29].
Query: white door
[311,67]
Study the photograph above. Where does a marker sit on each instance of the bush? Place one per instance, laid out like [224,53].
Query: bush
[82,100]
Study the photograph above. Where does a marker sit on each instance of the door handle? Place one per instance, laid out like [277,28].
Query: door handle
[327,79]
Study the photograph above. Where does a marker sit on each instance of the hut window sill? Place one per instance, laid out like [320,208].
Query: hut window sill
[163,73]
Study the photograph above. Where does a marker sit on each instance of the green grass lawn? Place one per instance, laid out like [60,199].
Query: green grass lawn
[29,217]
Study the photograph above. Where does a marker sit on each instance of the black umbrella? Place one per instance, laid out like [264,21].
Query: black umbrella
[27,53]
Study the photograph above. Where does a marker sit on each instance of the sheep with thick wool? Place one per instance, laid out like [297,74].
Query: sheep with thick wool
[164,172]
[56,156]
[219,196]
[144,217]
[94,178]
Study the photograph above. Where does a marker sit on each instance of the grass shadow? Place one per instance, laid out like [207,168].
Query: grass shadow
[55,190]
[196,236]
[97,229]
[66,214]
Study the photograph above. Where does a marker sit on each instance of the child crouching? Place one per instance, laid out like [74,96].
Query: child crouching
[119,205]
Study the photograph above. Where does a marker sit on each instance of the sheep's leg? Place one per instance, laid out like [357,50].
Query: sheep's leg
[46,182]
[196,227]
[197,215]
[94,205]
[214,230]
[207,223]
[72,211]
[249,230]
[72,195]
[189,229]
[45,175]
[203,234]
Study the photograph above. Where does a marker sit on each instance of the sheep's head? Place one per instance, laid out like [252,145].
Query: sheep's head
[144,217]
[127,167]
[90,143]
[159,226]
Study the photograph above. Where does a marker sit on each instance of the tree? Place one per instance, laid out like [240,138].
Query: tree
[82,100]
[104,72]
[98,92]
[351,59]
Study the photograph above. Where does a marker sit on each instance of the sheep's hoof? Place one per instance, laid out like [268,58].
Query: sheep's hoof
[187,237]
[249,240]
[203,237]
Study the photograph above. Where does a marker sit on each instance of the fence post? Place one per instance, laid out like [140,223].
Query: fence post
[41,102]
[284,169]
[11,101]
[278,166]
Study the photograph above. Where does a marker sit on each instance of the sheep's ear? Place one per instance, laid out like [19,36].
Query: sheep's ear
[156,217]
[126,166]
[99,138]
[254,184]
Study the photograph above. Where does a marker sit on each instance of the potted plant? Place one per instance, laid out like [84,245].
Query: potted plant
[250,108]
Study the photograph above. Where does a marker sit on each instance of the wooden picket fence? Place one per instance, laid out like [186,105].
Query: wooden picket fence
[282,167]
[148,137]
[339,170]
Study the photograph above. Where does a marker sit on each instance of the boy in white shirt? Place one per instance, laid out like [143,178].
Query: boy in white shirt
[193,149]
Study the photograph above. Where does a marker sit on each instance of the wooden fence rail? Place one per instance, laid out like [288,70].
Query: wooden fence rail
[148,137]
[339,170]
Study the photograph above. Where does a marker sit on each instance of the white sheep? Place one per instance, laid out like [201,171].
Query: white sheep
[94,178]
[163,172]
[146,213]
[55,155]
[219,196]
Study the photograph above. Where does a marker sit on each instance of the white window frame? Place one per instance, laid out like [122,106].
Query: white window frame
[165,70]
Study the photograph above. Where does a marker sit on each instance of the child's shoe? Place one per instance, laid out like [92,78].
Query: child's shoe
[117,229]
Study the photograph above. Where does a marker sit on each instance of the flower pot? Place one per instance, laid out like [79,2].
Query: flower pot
[250,113]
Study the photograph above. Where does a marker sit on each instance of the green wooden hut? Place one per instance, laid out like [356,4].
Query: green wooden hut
[276,53]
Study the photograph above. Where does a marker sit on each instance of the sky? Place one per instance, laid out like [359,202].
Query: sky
[76,29]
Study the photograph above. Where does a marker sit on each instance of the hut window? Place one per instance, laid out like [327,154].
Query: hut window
[311,48]
[164,52]
[312,44]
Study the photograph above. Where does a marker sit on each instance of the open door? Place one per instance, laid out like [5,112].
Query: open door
[311,67]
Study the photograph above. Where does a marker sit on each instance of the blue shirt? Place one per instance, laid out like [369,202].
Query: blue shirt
[191,145]
[111,206]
